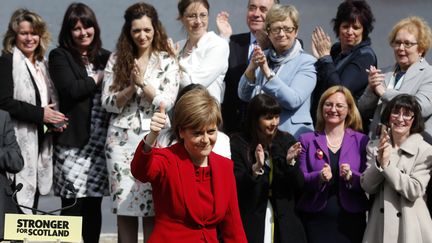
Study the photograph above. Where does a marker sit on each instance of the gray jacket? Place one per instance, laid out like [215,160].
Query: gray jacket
[399,213]
[417,82]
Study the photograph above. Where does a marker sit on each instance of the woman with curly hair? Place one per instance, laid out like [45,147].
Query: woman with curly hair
[146,76]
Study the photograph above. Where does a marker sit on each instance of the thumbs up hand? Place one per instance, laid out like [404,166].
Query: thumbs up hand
[157,123]
[158,120]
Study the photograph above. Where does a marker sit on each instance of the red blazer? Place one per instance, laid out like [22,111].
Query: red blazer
[177,204]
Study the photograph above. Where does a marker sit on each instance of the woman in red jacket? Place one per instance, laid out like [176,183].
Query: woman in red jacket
[194,189]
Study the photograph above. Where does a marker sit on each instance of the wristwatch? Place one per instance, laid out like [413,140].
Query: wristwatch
[143,84]
[272,74]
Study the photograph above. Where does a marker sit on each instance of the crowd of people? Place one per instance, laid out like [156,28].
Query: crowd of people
[220,137]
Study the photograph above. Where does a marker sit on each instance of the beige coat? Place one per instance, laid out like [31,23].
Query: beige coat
[399,213]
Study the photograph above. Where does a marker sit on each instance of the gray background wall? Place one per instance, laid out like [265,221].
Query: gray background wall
[313,12]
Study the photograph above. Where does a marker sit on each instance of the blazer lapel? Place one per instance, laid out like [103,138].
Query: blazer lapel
[347,143]
[217,179]
[322,144]
[412,74]
[187,180]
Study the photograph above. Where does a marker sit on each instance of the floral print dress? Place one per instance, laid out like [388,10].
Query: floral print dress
[128,125]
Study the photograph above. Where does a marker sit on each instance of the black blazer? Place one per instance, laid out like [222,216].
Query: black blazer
[18,110]
[253,193]
[234,109]
[76,90]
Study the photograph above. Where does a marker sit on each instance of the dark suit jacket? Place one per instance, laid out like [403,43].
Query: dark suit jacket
[177,203]
[10,161]
[253,193]
[234,109]
[76,90]
[353,151]
[18,110]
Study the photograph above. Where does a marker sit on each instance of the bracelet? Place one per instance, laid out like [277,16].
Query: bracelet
[257,172]
[292,162]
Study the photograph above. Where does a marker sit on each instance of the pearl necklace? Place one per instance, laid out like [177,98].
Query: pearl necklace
[334,146]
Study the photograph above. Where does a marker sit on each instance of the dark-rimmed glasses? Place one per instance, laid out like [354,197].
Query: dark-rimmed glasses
[406,44]
[285,29]
[395,114]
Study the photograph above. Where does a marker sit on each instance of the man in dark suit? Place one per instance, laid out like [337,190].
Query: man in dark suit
[241,46]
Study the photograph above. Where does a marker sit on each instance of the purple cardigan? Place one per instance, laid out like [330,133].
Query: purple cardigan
[353,151]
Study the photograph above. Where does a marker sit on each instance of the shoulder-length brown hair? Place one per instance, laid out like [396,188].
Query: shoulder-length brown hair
[353,119]
[126,48]
[406,102]
[74,13]
[39,27]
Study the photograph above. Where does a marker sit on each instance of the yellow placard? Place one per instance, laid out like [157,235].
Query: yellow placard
[42,227]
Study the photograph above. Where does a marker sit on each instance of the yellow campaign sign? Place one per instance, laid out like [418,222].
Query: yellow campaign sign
[42,227]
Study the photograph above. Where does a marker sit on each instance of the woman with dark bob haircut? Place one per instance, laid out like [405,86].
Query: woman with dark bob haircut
[76,68]
[267,175]
[345,62]
[142,73]
[398,171]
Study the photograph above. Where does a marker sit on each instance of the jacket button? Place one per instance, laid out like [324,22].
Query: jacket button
[199,226]
[382,210]
[399,214]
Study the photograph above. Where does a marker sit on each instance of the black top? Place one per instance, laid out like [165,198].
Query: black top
[19,110]
[76,90]
[253,192]
[347,69]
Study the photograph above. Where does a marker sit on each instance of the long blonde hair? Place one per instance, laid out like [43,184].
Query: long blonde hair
[39,27]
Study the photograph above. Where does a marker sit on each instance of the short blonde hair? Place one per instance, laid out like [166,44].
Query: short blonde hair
[196,109]
[353,119]
[280,12]
[416,26]
[39,27]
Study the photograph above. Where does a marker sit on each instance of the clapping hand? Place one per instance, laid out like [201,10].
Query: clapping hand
[258,58]
[257,168]
[137,74]
[321,43]
[223,25]
[293,151]
[376,80]
[384,148]
[326,173]
[345,171]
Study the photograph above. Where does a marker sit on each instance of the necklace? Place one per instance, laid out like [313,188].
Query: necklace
[332,145]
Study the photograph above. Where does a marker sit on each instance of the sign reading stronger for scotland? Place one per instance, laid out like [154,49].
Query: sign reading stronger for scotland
[42,227]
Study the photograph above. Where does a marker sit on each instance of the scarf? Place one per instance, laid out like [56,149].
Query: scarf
[276,61]
[38,166]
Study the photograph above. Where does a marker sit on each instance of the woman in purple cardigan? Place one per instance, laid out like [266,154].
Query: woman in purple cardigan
[333,205]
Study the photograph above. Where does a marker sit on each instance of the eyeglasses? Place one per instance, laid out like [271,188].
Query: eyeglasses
[405,116]
[286,30]
[406,44]
[339,106]
[194,17]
